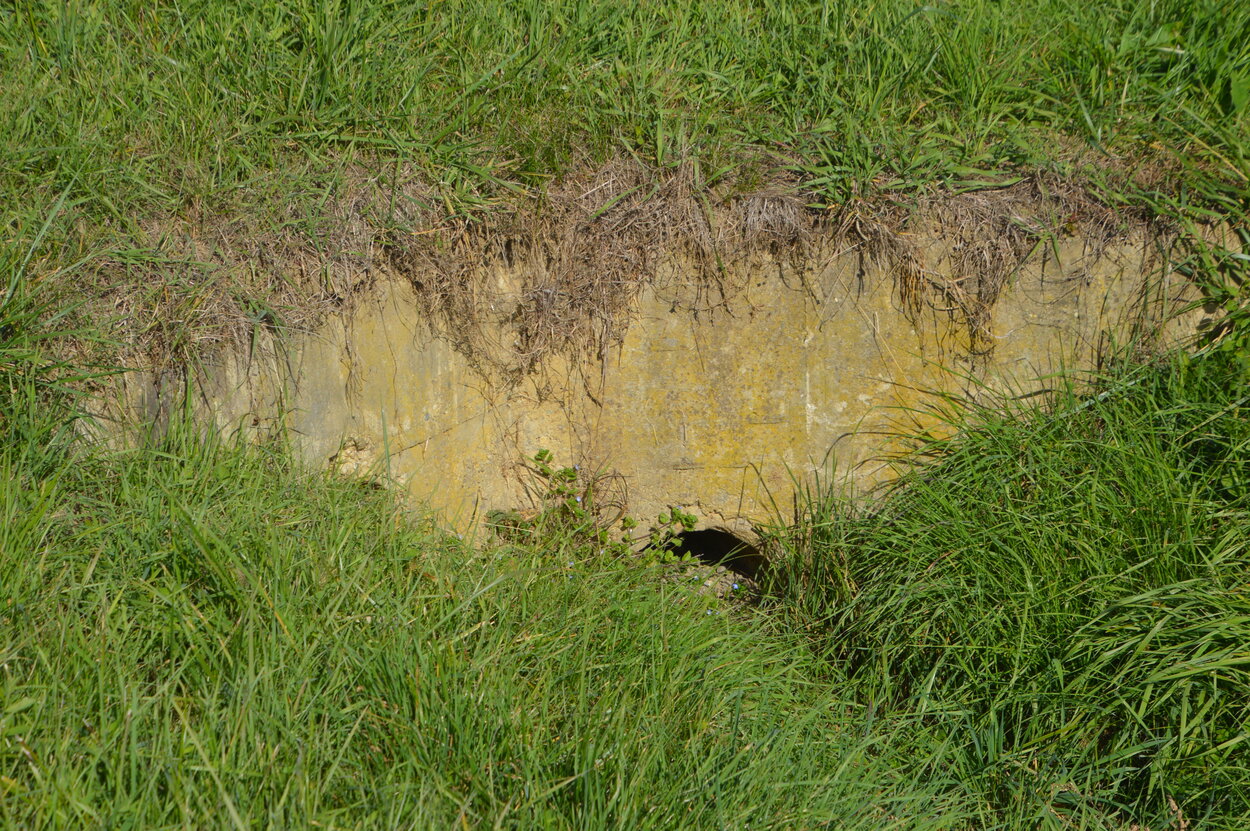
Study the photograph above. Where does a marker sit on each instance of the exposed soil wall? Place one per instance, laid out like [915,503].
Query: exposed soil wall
[703,383]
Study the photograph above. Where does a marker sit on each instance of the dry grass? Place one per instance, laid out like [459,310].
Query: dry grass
[576,258]
[575,261]
[558,274]
[985,237]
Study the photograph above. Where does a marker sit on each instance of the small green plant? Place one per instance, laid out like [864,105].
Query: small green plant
[664,537]
[580,511]
[575,510]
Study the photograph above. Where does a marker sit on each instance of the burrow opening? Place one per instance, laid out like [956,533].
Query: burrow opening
[721,548]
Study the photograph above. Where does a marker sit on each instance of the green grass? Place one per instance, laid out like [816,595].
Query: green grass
[199,637]
[195,635]
[1064,587]
[253,110]
[1043,626]
[229,165]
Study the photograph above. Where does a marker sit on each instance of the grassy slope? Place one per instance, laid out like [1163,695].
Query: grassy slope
[1066,587]
[1045,628]
[204,108]
[195,636]
[226,165]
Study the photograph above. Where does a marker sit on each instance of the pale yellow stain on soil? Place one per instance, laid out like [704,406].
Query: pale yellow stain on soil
[715,411]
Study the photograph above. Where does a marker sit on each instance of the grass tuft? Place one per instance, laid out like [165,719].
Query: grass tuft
[1063,588]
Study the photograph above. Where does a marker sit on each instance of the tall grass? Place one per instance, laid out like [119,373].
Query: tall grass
[1043,626]
[1064,589]
[207,108]
[200,635]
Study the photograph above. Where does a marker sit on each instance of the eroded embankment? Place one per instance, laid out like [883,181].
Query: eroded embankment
[700,356]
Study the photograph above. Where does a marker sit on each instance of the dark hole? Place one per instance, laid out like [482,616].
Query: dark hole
[721,548]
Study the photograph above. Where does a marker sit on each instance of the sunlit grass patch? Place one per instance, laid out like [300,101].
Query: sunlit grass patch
[1064,588]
